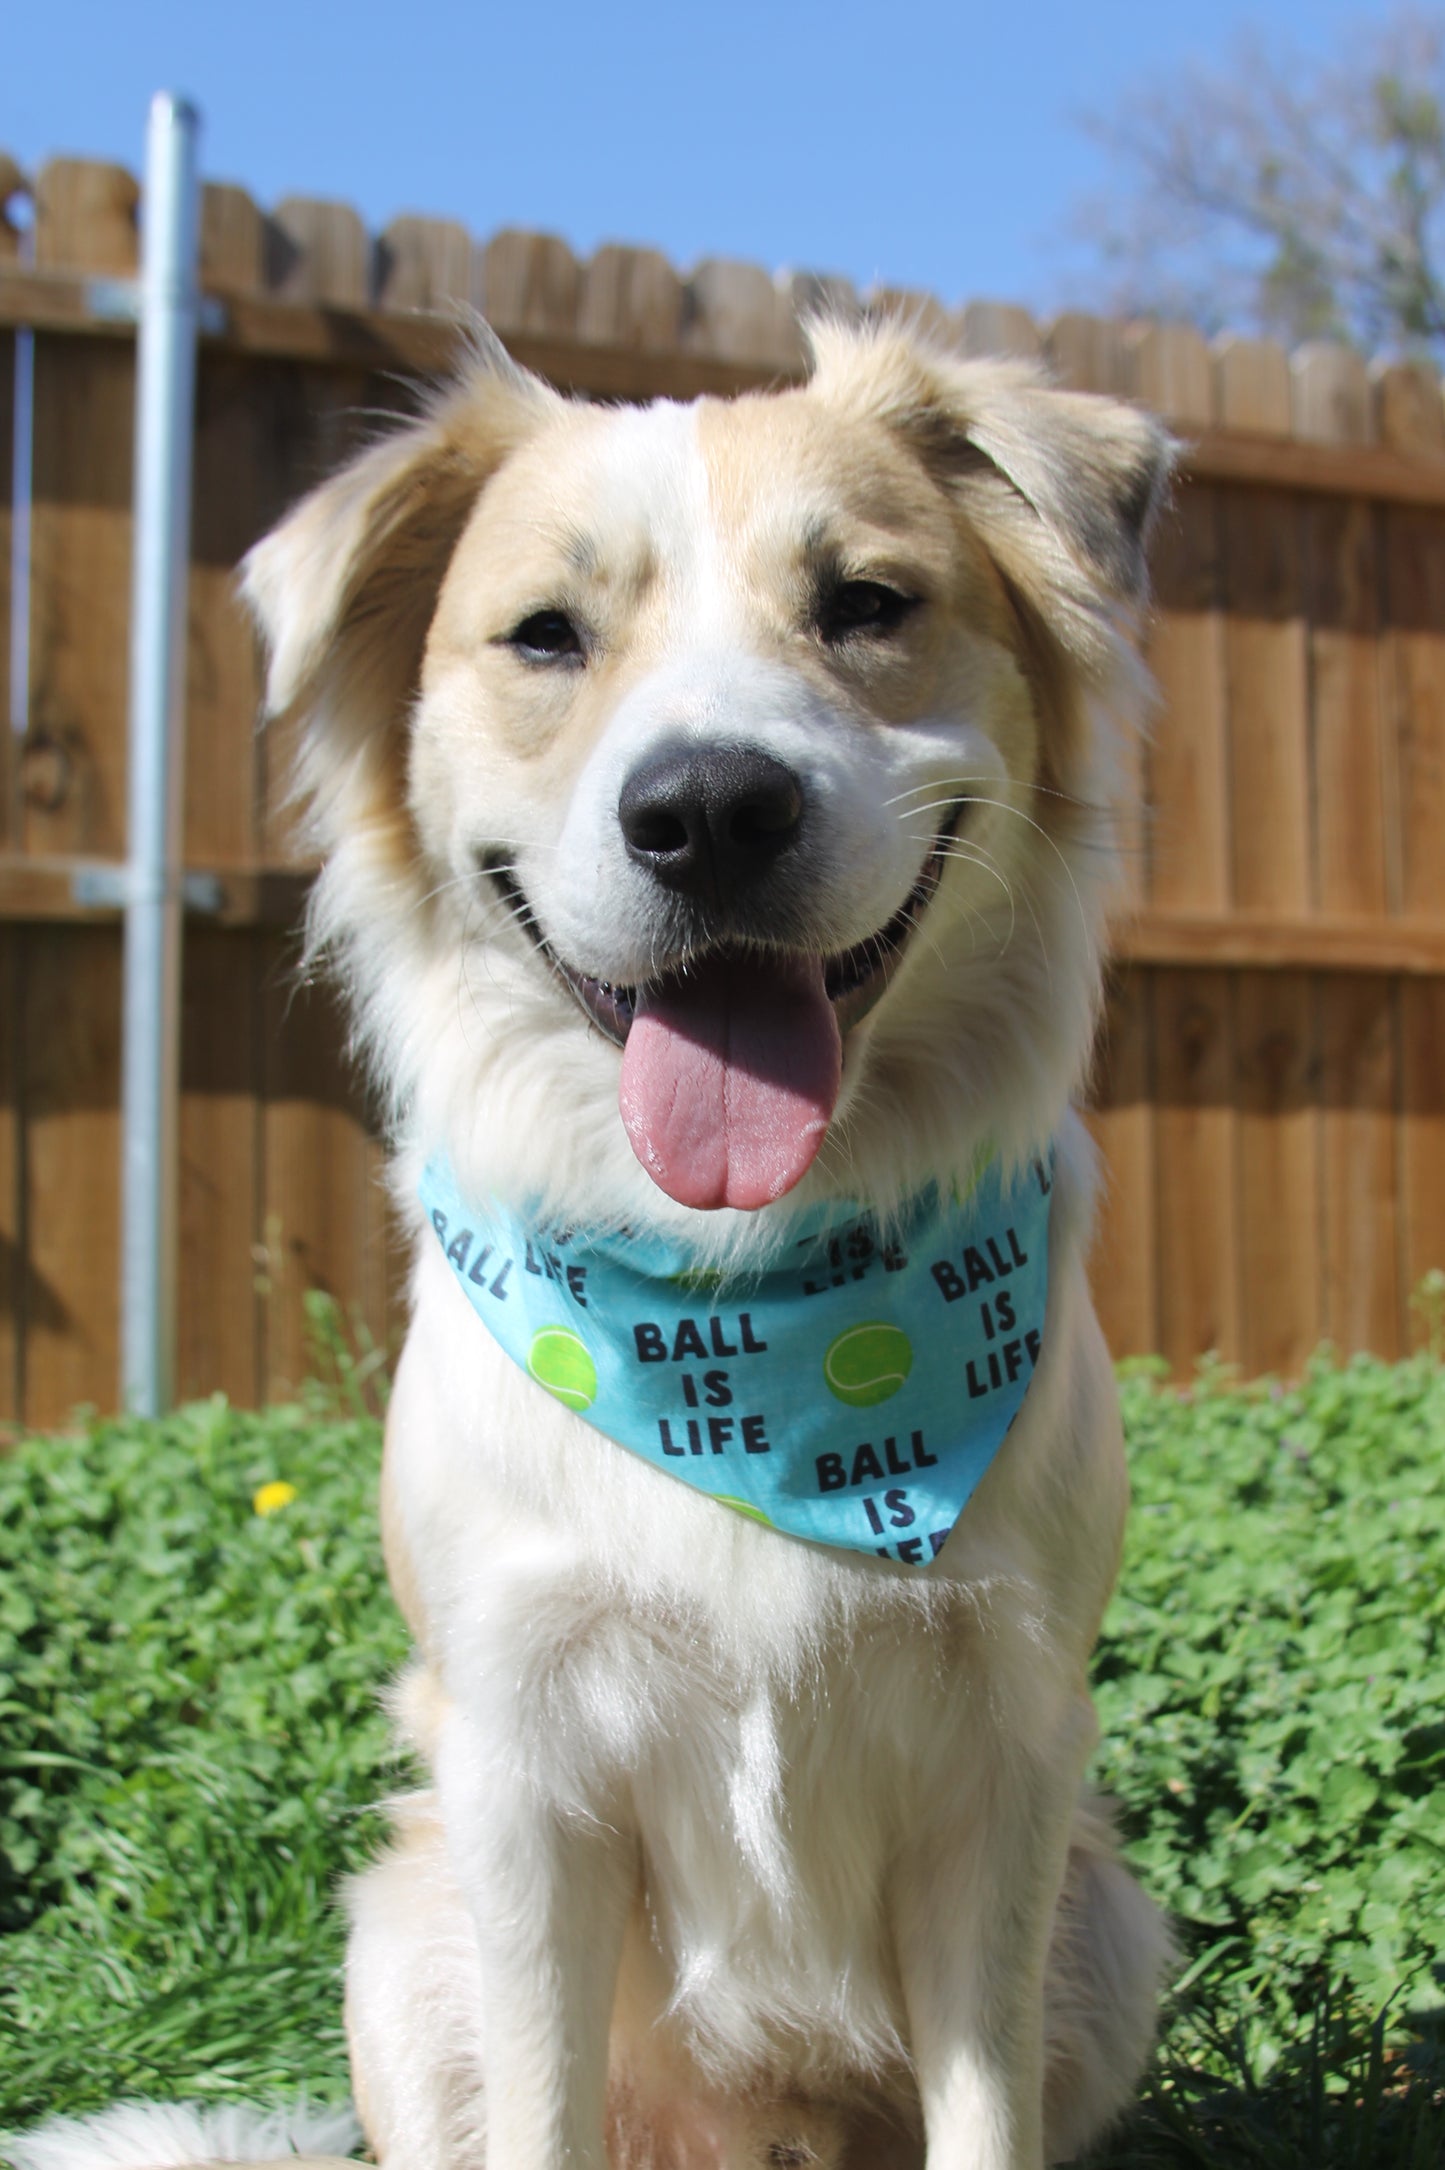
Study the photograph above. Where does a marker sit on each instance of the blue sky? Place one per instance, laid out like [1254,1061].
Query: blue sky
[920,145]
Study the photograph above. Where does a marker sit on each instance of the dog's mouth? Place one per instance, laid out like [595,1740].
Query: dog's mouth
[732,1060]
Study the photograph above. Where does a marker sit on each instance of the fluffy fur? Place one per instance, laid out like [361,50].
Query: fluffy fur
[737,1852]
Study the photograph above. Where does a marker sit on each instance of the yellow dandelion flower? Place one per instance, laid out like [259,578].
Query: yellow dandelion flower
[278,1493]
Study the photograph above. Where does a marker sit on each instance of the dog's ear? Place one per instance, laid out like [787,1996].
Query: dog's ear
[1061,486]
[344,588]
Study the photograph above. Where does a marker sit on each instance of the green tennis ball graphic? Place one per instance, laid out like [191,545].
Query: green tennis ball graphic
[559,1361]
[744,1506]
[867,1364]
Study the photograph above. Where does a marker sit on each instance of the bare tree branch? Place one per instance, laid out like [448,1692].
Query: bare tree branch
[1294,198]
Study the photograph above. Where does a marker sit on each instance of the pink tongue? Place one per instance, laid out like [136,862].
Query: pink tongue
[729,1079]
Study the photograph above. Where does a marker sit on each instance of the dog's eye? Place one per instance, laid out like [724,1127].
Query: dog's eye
[548,636]
[862,606]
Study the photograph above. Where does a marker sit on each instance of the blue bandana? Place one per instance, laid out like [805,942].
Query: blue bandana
[852,1394]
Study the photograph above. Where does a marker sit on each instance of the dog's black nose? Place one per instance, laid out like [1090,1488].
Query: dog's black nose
[708,820]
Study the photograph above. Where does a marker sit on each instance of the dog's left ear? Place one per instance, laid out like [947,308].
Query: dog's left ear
[1061,486]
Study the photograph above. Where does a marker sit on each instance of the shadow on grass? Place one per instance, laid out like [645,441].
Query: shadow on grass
[1350,2097]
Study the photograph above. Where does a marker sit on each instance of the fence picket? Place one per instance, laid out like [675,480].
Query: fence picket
[735,310]
[1409,411]
[217,1325]
[1189,871]
[317,250]
[1414,557]
[918,312]
[1000,328]
[10,824]
[236,491]
[1356,1013]
[1090,353]
[1268,679]
[1172,371]
[12,1234]
[1332,401]
[1197,1261]
[1174,852]
[630,298]
[1122,1120]
[233,241]
[424,264]
[820,294]
[528,282]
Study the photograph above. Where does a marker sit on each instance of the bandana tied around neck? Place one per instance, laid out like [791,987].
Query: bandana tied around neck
[852,1394]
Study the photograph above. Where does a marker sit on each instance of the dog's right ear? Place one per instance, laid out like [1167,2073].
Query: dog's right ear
[344,588]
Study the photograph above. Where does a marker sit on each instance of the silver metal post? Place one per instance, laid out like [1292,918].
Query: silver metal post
[150,1090]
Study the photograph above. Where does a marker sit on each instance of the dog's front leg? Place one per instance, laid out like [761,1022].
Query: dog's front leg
[549,1891]
[974,1905]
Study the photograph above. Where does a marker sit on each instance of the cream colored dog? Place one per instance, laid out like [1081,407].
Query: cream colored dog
[716,813]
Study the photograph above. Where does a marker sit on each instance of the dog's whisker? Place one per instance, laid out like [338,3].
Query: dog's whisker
[975,855]
[1004,806]
[984,776]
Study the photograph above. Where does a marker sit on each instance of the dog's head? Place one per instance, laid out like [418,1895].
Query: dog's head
[734,781]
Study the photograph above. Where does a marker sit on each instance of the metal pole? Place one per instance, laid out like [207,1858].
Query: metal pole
[150,1092]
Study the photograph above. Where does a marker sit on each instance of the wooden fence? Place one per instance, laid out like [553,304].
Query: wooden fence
[1271,1096]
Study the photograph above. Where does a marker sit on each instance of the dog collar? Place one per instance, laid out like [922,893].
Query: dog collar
[853,1393]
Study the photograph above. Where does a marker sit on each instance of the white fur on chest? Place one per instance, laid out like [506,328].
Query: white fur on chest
[775,1718]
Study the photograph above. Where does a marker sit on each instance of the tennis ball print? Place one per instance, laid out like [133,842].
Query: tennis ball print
[866,1364]
[559,1360]
[744,1506]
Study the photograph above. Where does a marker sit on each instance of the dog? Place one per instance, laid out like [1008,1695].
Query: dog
[717,806]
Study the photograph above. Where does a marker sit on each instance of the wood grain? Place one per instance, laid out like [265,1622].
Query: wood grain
[74,776]
[1414,554]
[86,213]
[1357,1019]
[999,327]
[1189,843]
[631,298]
[424,264]
[1090,353]
[1415,667]
[735,311]
[1198,1251]
[9,764]
[1195,1143]
[12,1230]
[1359,1068]
[1409,412]
[1123,1264]
[70,1039]
[530,284]
[1172,371]
[73,766]
[233,241]
[318,251]
[1422,1154]
[323,1215]
[1333,402]
[12,1324]
[218,1325]
[1267,675]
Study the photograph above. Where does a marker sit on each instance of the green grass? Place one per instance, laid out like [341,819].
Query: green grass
[190,1751]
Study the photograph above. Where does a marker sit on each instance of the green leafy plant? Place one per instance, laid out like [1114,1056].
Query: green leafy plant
[194,1631]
